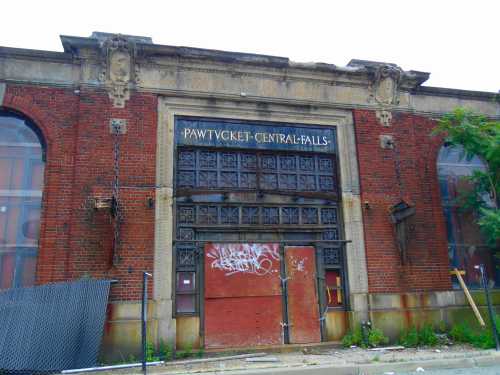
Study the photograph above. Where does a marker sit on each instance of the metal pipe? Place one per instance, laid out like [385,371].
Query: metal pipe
[490,307]
[112,367]
[144,316]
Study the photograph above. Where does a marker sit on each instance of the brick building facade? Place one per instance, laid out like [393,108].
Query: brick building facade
[108,111]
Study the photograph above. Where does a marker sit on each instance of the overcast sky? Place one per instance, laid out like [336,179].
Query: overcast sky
[458,41]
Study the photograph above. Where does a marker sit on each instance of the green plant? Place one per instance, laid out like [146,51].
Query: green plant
[165,351]
[151,352]
[461,332]
[427,336]
[376,337]
[484,339]
[479,137]
[189,350]
[353,338]
[186,353]
[200,352]
[409,337]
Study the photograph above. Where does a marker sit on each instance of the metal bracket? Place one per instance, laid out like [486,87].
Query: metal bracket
[117,126]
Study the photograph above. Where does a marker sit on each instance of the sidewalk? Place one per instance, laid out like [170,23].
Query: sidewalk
[332,360]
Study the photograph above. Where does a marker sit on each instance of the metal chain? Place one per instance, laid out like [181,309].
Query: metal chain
[397,162]
[116,209]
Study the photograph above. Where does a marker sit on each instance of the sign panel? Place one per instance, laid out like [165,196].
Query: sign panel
[257,135]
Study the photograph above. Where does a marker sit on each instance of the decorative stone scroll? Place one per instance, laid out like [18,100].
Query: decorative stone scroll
[384,117]
[385,84]
[119,71]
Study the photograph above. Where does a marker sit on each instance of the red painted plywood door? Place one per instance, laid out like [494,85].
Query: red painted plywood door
[302,297]
[243,301]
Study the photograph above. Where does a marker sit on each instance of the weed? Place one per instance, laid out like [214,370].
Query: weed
[409,337]
[200,353]
[462,332]
[151,352]
[165,351]
[427,336]
[353,338]
[376,337]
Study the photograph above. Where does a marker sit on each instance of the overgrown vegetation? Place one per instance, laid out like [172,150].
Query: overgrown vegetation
[413,337]
[482,338]
[165,352]
[373,337]
[427,335]
[481,137]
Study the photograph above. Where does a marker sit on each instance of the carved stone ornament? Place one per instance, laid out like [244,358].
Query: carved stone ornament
[119,71]
[385,85]
[384,118]
[386,141]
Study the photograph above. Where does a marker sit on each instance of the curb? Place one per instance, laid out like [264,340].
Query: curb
[490,359]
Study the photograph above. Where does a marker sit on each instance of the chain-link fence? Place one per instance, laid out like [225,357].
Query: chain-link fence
[48,328]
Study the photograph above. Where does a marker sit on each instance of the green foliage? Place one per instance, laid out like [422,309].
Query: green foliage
[186,353]
[151,353]
[489,223]
[427,336]
[462,333]
[165,351]
[413,337]
[374,337]
[200,353]
[478,136]
[409,337]
[353,338]
[482,339]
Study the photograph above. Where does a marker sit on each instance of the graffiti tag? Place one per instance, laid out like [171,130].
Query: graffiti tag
[255,259]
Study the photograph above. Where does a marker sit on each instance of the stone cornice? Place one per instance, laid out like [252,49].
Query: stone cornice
[456,93]
[201,73]
[33,54]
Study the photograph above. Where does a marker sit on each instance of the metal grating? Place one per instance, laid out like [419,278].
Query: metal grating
[49,328]
[210,169]
[221,214]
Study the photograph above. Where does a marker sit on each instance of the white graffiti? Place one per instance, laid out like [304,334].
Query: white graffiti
[255,259]
[299,264]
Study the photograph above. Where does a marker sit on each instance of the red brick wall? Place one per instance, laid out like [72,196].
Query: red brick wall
[427,267]
[75,240]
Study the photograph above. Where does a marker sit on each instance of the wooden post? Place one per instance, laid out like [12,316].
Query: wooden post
[472,304]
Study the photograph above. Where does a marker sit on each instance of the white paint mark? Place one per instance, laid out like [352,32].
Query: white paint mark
[299,264]
[255,259]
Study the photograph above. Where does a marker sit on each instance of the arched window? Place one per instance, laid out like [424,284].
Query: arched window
[21,183]
[466,246]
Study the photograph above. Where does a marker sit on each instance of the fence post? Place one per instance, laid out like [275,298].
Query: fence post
[144,318]
[484,281]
